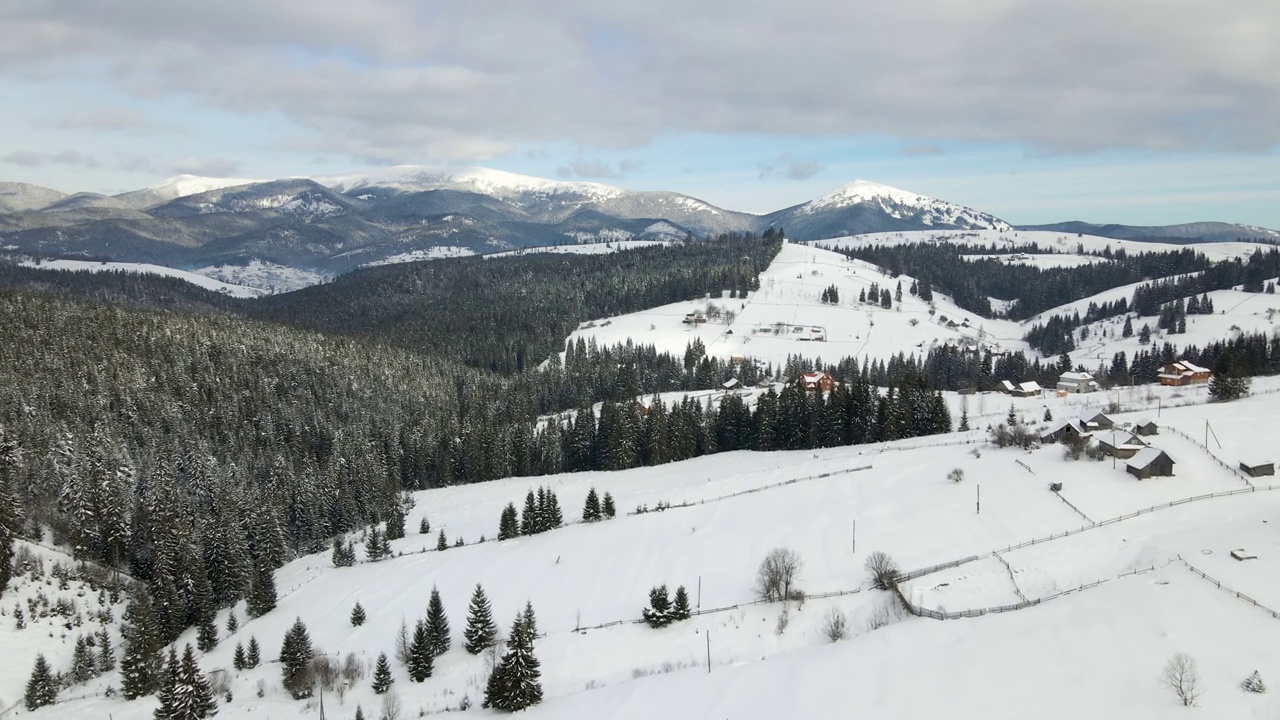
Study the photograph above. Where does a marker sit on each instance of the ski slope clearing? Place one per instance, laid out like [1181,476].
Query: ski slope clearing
[432,253]
[195,278]
[591,248]
[786,316]
[265,276]
[1049,242]
[1094,652]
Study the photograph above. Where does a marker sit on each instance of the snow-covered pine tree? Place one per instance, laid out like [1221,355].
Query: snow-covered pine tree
[541,516]
[382,679]
[375,545]
[529,518]
[421,655]
[1048,416]
[106,655]
[424,526]
[658,613]
[359,713]
[438,624]
[357,614]
[395,522]
[10,511]
[515,683]
[343,553]
[140,666]
[196,687]
[530,620]
[591,509]
[253,654]
[84,666]
[481,632]
[509,524]
[262,593]
[607,506]
[172,700]
[238,660]
[442,543]
[42,688]
[554,517]
[680,608]
[295,656]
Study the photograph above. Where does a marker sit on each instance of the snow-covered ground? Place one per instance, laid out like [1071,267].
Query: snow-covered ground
[433,253]
[265,276]
[587,248]
[1093,653]
[234,289]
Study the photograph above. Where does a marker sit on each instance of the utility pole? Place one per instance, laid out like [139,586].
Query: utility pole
[699,607]
[979,502]
[855,536]
[708,652]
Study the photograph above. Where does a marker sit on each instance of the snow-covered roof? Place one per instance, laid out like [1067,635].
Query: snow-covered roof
[1140,422]
[730,383]
[1144,457]
[1075,376]
[1008,386]
[1120,439]
[1030,386]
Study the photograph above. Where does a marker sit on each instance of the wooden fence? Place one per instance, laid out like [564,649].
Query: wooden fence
[919,611]
[1237,593]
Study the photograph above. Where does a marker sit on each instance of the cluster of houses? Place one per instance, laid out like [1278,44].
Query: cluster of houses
[1177,373]
[1133,445]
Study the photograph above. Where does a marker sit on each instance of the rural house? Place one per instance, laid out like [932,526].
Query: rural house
[1145,427]
[1184,373]
[817,381]
[1067,430]
[1099,421]
[1077,382]
[1026,389]
[1150,462]
[1120,444]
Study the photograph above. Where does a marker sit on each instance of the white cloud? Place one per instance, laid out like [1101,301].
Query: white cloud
[402,81]
[790,167]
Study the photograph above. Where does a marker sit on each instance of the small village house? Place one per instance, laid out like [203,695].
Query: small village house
[1150,462]
[1183,372]
[1027,389]
[816,382]
[1120,444]
[1099,421]
[1145,428]
[1066,431]
[1077,382]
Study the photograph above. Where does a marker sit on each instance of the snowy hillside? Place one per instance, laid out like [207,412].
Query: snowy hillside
[20,197]
[177,187]
[416,178]
[263,276]
[195,278]
[1135,598]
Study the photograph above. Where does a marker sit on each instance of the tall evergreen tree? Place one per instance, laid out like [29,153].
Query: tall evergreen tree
[253,654]
[343,554]
[140,666]
[515,684]
[607,507]
[424,526]
[10,511]
[238,660]
[529,518]
[382,679]
[658,613]
[262,594]
[203,704]
[680,609]
[295,656]
[509,525]
[438,624]
[591,509]
[441,543]
[357,614]
[421,653]
[42,687]
[481,632]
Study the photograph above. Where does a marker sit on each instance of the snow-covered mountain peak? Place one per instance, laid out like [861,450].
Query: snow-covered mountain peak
[860,191]
[418,178]
[179,186]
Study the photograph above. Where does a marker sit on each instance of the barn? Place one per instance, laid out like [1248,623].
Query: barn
[1150,462]
[1120,444]
[1145,428]
[1258,468]
[1099,421]
[1065,430]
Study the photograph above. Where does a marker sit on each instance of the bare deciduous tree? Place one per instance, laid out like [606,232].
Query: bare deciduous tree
[392,707]
[1181,677]
[835,626]
[884,613]
[883,570]
[778,575]
[956,475]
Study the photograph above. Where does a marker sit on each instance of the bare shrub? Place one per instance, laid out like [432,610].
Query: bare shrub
[956,475]
[883,570]
[784,619]
[402,642]
[325,671]
[352,669]
[888,611]
[778,574]
[1181,677]
[219,682]
[392,707]
[835,626]
[1073,447]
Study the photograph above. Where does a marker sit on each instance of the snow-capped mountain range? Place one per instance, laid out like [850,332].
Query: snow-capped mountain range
[332,223]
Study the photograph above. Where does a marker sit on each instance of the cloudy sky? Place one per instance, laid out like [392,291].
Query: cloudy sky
[1138,111]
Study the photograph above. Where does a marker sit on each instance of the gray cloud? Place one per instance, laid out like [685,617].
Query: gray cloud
[387,80]
[106,119]
[153,165]
[790,167]
[923,149]
[595,169]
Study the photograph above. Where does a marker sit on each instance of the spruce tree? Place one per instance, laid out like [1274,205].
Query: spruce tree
[382,679]
[106,655]
[196,687]
[295,656]
[233,623]
[262,593]
[343,554]
[438,624]
[591,509]
[253,654]
[357,614]
[554,518]
[509,524]
[1012,418]
[359,713]
[395,522]
[529,518]
[424,527]
[421,653]
[515,684]
[658,613]
[964,420]
[84,666]
[441,543]
[607,506]
[1048,416]
[480,632]
[140,666]
[10,510]
[207,634]
[680,608]
[42,688]
[173,699]
[238,660]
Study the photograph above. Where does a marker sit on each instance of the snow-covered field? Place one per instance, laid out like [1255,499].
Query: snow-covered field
[1093,653]
[265,276]
[204,280]
[591,248]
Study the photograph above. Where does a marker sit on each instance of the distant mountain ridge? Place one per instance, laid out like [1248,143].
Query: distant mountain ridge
[1184,232]
[333,223]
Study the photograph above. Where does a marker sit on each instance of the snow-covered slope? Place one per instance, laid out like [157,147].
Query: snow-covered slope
[200,279]
[20,197]
[760,661]
[177,187]
[861,206]
[417,178]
